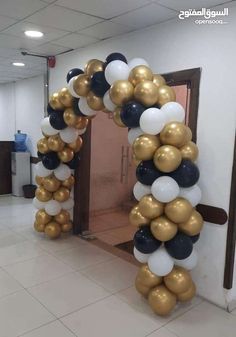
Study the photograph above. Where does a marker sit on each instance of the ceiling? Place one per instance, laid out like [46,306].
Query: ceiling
[72,24]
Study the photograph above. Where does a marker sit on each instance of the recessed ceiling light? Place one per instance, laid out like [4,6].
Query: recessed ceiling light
[33,33]
[18,64]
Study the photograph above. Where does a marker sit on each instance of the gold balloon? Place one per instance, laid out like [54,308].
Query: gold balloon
[53,230]
[39,227]
[136,218]
[62,194]
[42,194]
[141,288]
[69,183]
[66,155]
[121,92]
[193,225]
[62,217]
[51,183]
[81,85]
[166,94]
[81,123]
[42,145]
[93,66]
[55,102]
[65,97]
[117,119]
[95,102]
[187,295]
[139,74]
[42,218]
[149,207]
[145,146]
[175,133]
[161,300]
[135,160]
[76,145]
[70,117]
[158,80]
[163,229]
[147,278]
[39,180]
[55,143]
[66,227]
[178,280]
[189,151]
[167,158]
[146,92]
[179,210]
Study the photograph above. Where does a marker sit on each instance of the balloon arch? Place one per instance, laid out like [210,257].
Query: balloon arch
[167,223]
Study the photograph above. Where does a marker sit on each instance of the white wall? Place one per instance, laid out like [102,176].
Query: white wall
[177,45]
[7,112]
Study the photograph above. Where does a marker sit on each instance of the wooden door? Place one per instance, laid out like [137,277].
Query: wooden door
[5,167]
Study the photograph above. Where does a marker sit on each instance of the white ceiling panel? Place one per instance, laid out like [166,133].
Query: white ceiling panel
[49,49]
[187,4]
[19,9]
[9,41]
[74,41]
[106,29]
[5,22]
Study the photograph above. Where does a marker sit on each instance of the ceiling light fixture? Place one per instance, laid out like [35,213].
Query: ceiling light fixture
[18,64]
[33,33]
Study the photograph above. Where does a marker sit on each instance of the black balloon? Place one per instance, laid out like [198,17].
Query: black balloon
[187,174]
[147,172]
[57,121]
[145,242]
[99,85]
[131,113]
[180,247]
[50,110]
[40,155]
[73,163]
[195,238]
[50,160]
[75,107]
[116,56]
[72,73]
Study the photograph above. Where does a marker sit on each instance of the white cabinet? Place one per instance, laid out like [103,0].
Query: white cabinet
[20,167]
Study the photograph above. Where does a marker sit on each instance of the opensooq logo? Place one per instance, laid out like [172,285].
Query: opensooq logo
[205,16]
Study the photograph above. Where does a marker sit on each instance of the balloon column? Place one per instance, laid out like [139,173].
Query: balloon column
[167,222]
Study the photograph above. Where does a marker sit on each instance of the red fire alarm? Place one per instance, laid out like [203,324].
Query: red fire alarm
[51,61]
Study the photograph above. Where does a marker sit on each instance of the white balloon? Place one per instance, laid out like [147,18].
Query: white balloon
[165,189]
[62,172]
[53,207]
[81,131]
[85,109]
[152,121]
[190,262]
[116,70]
[133,134]
[173,111]
[69,134]
[38,204]
[68,204]
[137,62]
[71,88]
[193,194]
[140,190]
[41,170]
[47,128]
[160,262]
[109,105]
[143,258]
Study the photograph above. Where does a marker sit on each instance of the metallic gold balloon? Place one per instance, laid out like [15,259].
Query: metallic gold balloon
[39,227]
[69,183]
[178,280]
[65,97]
[193,225]
[42,194]
[39,180]
[95,102]
[145,146]
[187,295]
[55,102]
[139,74]
[42,145]
[141,288]
[167,158]
[163,229]
[161,300]
[66,227]
[81,123]
[55,143]
[70,117]
[147,278]
[93,66]
[158,80]
[62,194]
[165,94]
[135,160]
[179,210]
[81,85]
[51,183]
[175,133]
[121,92]
[42,218]
[53,230]
[76,145]
[66,155]
[146,92]
[149,207]
[117,119]
[189,151]
[62,217]
[136,218]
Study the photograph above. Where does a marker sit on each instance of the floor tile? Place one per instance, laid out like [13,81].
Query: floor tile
[64,243]
[162,332]
[38,270]
[68,293]
[9,238]
[8,284]
[20,313]
[54,329]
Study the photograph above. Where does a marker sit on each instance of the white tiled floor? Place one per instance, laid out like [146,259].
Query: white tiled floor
[70,288]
